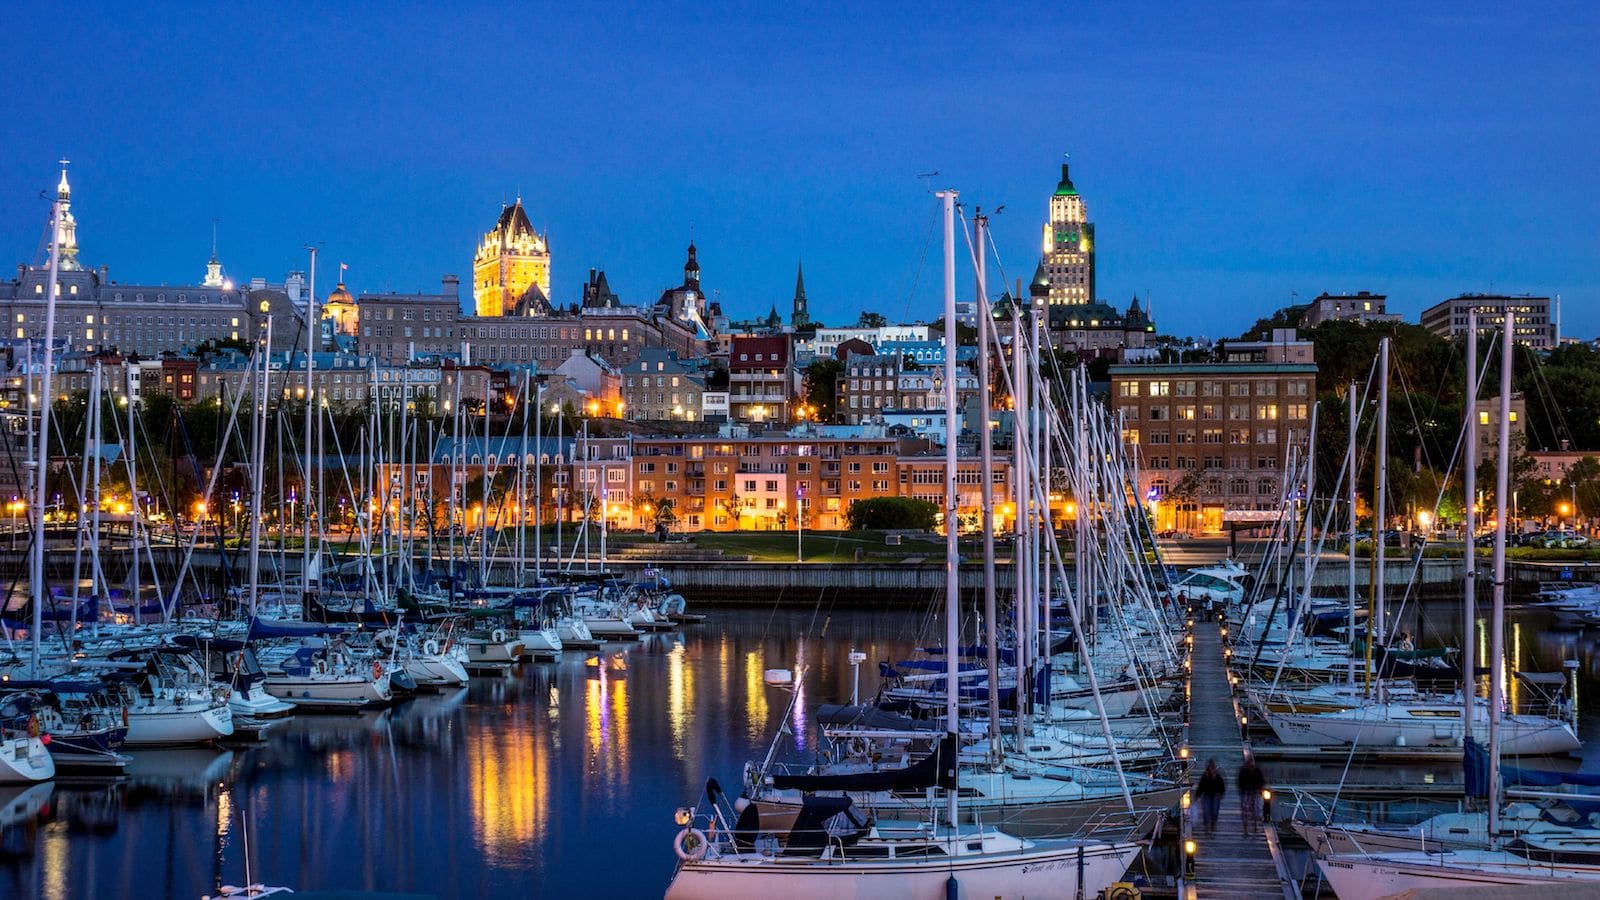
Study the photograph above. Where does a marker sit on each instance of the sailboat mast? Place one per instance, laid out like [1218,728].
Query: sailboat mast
[538,486]
[258,460]
[952,586]
[132,459]
[306,470]
[1469,486]
[41,459]
[1019,545]
[986,449]
[1350,501]
[1378,627]
[1497,616]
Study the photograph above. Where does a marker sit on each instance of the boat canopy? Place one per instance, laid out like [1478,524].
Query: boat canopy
[937,769]
[839,715]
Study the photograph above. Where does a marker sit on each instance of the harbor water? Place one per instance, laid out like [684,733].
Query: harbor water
[558,778]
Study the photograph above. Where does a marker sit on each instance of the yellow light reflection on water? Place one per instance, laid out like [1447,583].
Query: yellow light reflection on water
[55,861]
[680,697]
[224,813]
[755,696]
[606,713]
[508,773]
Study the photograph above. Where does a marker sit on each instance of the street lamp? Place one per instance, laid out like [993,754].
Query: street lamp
[799,522]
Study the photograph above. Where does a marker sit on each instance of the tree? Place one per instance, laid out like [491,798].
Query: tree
[820,387]
[882,513]
[871,319]
[966,335]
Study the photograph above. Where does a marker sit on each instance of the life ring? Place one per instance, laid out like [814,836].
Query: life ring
[431,647]
[690,844]
[498,636]
[377,670]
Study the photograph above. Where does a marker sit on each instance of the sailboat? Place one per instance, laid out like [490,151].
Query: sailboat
[1529,859]
[813,855]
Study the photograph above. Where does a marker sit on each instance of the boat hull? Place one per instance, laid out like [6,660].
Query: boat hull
[25,760]
[1518,736]
[1054,873]
[339,692]
[1383,876]
[156,727]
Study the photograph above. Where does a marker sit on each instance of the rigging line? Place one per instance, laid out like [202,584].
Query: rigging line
[1456,455]
[922,258]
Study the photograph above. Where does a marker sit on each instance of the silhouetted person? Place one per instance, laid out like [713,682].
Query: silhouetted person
[1210,790]
[1251,783]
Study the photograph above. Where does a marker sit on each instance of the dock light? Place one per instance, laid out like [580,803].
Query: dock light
[1188,858]
[1183,753]
[1185,799]
[1244,720]
[684,816]
[1228,653]
[1224,631]
[1189,639]
[1191,621]
[1266,805]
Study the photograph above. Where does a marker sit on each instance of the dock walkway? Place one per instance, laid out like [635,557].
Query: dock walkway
[1227,864]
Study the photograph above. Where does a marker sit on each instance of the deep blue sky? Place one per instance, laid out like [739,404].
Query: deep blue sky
[1230,153]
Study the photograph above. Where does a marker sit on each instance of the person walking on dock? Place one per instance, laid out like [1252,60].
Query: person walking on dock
[1251,783]
[1210,790]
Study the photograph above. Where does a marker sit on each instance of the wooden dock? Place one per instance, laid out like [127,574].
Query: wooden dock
[1227,863]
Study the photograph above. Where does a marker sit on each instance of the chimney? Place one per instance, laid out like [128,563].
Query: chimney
[22,272]
[451,285]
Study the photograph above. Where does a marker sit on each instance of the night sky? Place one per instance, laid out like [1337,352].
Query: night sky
[1231,155]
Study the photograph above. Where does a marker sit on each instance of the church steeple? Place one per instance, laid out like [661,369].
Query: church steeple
[691,270]
[67,227]
[214,267]
[800,317]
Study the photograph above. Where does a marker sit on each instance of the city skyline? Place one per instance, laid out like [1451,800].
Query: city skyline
[1228,164]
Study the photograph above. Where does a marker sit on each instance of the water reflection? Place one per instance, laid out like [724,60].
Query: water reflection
[534,779]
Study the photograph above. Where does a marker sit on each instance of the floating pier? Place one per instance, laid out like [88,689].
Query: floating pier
[1227,863]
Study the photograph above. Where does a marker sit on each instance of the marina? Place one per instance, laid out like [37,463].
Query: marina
[957,452]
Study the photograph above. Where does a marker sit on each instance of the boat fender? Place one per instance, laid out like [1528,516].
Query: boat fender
[124,717]
[499,636]
[377,670]
[690,844]
[33,726]
[952,888]
[431,647]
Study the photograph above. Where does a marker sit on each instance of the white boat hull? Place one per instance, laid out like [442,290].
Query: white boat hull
[575,634]
[337,690]
[542,642]
[257,703]
[1357,877]
[1519,735]
[25,760]
[437,670]
[189,724]
[1051,873]
[610,628]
